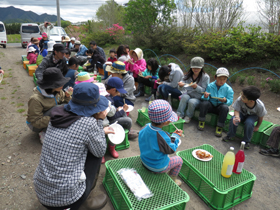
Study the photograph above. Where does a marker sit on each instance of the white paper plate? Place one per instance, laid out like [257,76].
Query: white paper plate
[108,63]
[119,135]
[278,109]
[231,113]
[179,142]
[130,108]
[195,156]
[187,85]
[1,77]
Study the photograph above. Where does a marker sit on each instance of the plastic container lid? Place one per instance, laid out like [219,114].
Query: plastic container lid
[231,148]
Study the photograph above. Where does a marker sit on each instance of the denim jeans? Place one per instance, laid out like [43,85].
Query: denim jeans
[221,110]
[164,90]
[185,101]
[248,121]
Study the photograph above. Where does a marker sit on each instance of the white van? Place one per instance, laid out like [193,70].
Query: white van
[3,35]
[56,33]
[27,31]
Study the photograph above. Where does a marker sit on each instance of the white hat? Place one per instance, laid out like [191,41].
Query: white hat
[31,49]
[73,39]
[77,42]
[222,72]
[50,45]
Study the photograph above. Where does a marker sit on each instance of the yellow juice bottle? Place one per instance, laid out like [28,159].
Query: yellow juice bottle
[228,163]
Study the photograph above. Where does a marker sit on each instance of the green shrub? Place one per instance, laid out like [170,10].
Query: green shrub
[274,85]
[242,80]
[233,78]
[263,83]
[251,80]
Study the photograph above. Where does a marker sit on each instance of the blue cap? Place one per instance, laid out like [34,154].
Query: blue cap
[117,83]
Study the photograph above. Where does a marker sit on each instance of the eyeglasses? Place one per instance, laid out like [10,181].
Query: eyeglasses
[242,96]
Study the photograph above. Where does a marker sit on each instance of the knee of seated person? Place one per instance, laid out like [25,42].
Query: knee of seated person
[225,107]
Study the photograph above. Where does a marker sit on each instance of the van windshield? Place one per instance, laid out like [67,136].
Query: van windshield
[30,29]
[2,29]
[57,31]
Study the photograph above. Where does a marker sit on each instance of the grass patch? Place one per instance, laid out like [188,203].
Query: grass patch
[242,80]
[5,75]
[20,110]
[13,38]
[13,97]
[9,69]
[18,98]
[13,103]
[1,88]
[3,98]
[20,104]
[251,80]
[24,115]
[14,91]
[2,54]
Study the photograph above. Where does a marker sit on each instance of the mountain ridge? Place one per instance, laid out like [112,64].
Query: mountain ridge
[15,15]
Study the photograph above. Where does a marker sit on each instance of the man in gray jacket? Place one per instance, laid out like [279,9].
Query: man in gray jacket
[56,59]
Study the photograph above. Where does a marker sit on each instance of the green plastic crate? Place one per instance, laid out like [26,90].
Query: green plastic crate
[34,79]
[266,135]
[24,58]
[257,136]
[175,103]
[170,128]
[98,78]
[206,180]
[80,69]
[143,119]
[210,118]
[167,195]
[147,90]
[124,145]
[27,66]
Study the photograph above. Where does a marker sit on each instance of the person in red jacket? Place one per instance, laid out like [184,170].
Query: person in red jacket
[111,59]
[32,56]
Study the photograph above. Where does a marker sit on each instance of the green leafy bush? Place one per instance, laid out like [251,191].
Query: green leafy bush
[242,80]
[251,80]
[274,85]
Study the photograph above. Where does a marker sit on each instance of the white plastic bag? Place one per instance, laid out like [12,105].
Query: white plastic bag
[135,183]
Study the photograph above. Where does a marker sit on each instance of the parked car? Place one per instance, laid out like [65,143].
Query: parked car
[27,31]
[3,35]
[56,33]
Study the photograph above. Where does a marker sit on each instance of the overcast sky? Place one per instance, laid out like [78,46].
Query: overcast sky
[81,10]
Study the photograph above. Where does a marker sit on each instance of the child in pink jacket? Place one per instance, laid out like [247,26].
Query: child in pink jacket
[32,56]
[136,64]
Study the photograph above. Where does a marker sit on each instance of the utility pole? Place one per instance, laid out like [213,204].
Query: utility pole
[58,13]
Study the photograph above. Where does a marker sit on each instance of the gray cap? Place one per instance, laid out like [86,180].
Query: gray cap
[197,62]
[222,72]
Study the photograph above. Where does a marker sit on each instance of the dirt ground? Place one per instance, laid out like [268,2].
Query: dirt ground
[21,148]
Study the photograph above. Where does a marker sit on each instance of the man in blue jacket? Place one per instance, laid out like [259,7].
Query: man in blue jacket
[216,99]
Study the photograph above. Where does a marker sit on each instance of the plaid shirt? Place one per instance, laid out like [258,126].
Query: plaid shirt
[57,177]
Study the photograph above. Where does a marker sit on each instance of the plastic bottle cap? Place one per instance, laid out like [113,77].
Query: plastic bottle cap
[243,142]
[231,148]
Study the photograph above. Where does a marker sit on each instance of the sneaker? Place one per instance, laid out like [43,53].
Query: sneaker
[219,131]
[201,125]
[187,119]
[132,134]
[247,145]
[270,152]
[227,138]
[42,136]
